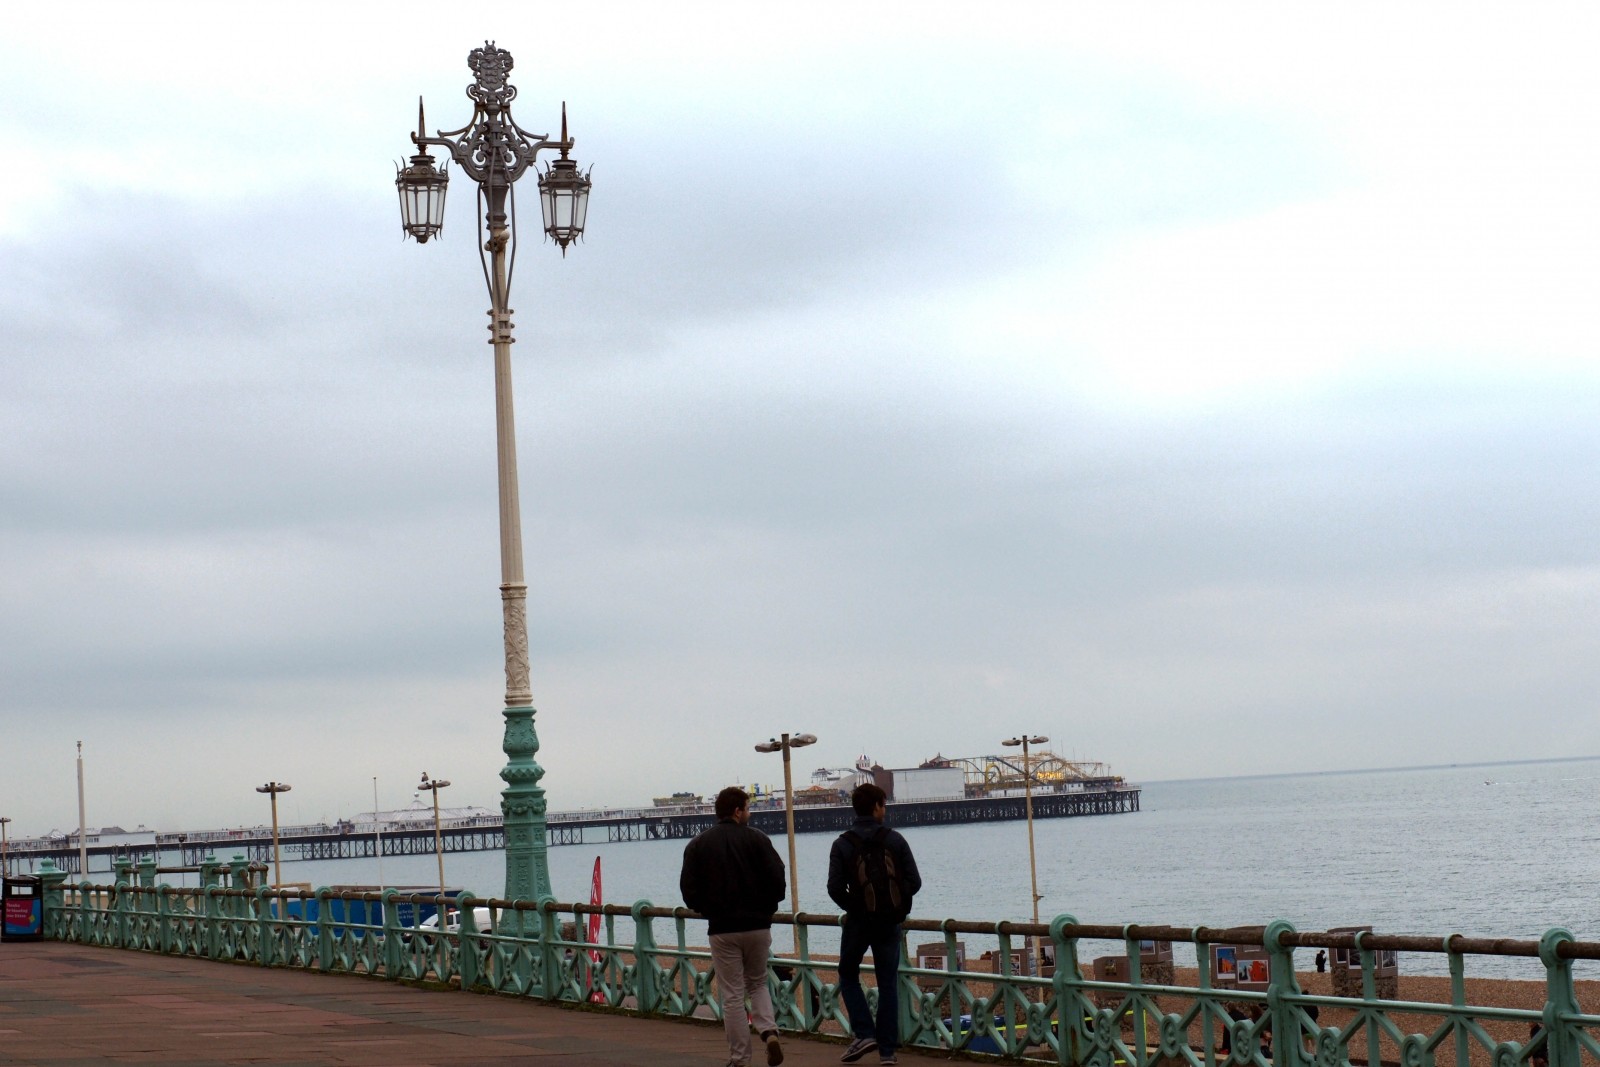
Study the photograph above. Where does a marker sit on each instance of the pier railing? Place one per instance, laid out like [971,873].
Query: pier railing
[655,961]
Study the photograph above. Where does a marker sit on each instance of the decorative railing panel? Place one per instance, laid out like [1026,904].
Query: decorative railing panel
[655,961]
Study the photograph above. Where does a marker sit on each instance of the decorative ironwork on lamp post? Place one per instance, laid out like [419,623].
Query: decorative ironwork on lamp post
[494,152]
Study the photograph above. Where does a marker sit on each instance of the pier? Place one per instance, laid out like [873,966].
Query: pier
[486,834]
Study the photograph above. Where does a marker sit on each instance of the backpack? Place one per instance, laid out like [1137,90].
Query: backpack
[877,885]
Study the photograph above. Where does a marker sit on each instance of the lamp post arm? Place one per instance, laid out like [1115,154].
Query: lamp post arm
[473,153]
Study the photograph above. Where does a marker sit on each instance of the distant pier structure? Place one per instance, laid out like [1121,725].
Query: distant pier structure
[939,792]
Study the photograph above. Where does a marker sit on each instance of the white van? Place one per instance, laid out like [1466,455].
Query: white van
[452,920]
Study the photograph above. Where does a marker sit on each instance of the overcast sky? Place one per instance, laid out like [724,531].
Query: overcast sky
[1213,388]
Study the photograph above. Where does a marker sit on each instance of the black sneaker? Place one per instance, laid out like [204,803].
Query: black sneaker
[858,1048]
[774,1051]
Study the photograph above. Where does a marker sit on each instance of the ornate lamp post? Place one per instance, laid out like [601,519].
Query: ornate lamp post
[433,785]
[784,745]
[273,789]
[1033,867]
[5,851]
[494,152]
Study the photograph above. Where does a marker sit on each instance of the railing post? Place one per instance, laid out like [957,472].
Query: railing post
[1560,1003]
[908,997]
[122,899]
[1072,1033]
[263,905]
[209,872]
[147,872]
[549,947]
[238,872]
[1458,997]
[1202,959]
[1369,993]
[392,945]
[51,878]
[467,940]
[324,927]
[1139,1017]
[86,902]
[164,917]
[1282,985]
[644,958]
[805,978]
[213,921]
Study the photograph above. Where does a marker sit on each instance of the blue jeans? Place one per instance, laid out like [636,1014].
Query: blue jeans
[858,935]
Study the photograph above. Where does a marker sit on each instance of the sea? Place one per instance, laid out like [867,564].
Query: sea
[1493,850]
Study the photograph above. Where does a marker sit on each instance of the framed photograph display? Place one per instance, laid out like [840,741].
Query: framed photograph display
[1344,957]
[1254,968]
[1155,951]
[1224,965]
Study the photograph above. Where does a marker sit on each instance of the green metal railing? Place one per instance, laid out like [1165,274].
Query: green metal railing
[540,950]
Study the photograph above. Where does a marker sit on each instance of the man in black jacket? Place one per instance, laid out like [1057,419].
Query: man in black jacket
[872,876]
[732,875]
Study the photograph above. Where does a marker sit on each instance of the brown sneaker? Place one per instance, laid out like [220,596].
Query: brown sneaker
[774,1050]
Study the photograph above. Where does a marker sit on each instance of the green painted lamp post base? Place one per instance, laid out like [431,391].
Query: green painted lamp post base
[522,805]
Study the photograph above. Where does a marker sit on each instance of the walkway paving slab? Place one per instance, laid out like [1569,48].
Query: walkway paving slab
[66,1005]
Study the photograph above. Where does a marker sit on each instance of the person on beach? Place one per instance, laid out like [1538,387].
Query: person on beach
[872,876]
[1322,961]
[734,877]
[1539,1057]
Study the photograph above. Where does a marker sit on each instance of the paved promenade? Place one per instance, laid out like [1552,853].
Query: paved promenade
[63,1005]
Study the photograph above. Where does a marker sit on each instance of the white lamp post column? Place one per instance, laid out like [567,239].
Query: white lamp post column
[273,789]
[433,785]
[1033,866]
[784,745]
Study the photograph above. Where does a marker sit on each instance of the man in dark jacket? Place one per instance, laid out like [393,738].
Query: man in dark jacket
[872,876]
[732,875]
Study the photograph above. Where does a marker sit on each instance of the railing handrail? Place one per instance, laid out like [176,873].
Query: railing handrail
[1450,944]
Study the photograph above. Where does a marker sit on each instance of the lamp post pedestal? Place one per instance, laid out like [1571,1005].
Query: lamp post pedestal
[522,807]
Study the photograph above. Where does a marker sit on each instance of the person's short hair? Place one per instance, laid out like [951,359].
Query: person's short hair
[867,797]
[731,800]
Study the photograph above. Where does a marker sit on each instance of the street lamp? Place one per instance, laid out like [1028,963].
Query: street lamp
[787,742]
[1033,867]
[5,851]
[273,789]
[433,785]
[494,152]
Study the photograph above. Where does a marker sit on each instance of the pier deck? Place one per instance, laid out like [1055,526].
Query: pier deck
[578,828]
[64,1005]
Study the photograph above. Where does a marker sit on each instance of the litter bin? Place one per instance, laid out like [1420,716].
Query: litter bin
[22,901]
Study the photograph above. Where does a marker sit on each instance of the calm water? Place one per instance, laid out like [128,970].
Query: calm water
[1506,850]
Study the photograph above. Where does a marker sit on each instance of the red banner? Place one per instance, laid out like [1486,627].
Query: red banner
[596,897]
